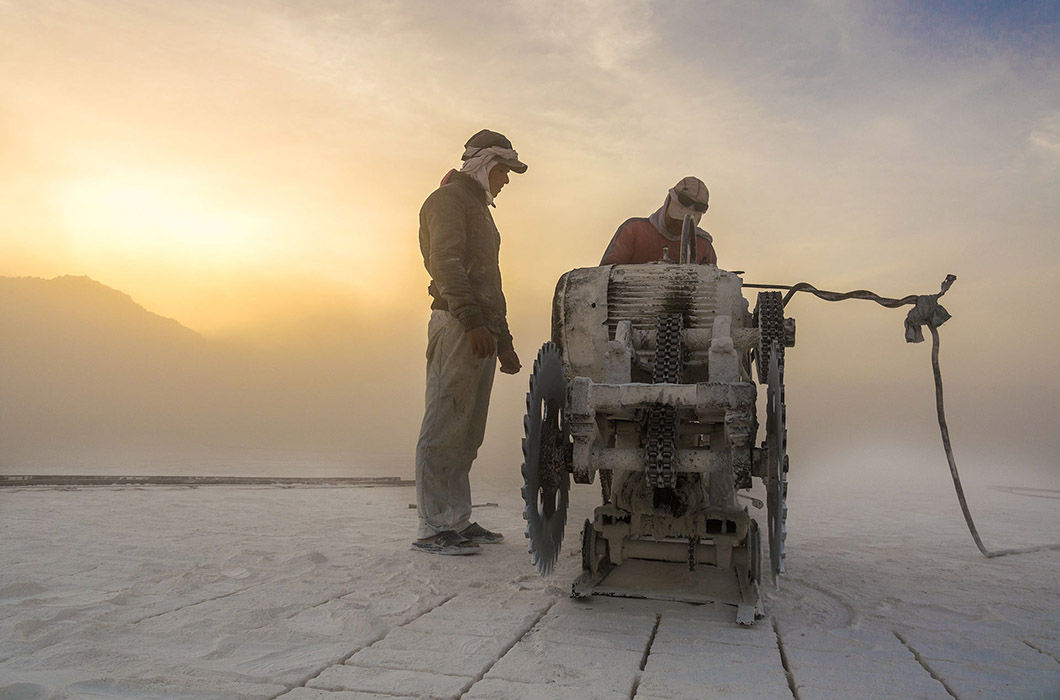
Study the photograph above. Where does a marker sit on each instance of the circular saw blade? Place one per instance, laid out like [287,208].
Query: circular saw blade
[546,479]
[777,462]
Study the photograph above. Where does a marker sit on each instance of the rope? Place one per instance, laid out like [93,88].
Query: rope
[927,312]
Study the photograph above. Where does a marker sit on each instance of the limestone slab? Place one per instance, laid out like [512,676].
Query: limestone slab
[715,690]
[374,680]
[960,647]
[683,636]
[874,642]
[991,681]
[497,689]
[596,620]
[533,661]
[450,663]
[881,680]
[762,674]
[317,694]
[560,634]
[421,640]
[1050,646]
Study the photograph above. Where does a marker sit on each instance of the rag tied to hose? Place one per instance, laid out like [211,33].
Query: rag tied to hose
[928,311]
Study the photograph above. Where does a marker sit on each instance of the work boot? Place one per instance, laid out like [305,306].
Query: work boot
[480,535]
[446,542]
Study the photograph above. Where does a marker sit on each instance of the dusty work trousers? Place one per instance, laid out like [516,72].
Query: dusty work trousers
[454,423]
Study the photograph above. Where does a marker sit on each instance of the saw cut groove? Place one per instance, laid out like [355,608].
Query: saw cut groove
[511,646]
[784,661]
[346,657]
[923,663]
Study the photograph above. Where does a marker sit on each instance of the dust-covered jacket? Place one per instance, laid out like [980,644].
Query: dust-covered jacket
[460,246]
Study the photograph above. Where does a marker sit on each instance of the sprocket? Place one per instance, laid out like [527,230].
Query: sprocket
[768,317]
[546,459]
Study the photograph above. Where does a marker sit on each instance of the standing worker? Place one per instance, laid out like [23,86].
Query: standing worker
[467,335]
[658,237]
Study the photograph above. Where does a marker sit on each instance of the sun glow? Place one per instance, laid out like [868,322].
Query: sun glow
[172,244]
[160,223]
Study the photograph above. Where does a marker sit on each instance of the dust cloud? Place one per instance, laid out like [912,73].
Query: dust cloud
[94,383]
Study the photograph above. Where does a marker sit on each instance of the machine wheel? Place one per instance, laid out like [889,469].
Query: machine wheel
[594,551]
[754,551]
[588,546]
[546,450]
[776,479]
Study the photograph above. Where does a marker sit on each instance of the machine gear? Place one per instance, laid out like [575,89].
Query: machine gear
[649,381]
[776,478]
[546,450]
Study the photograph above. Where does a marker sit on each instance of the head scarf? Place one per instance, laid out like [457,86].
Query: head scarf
[676,210]
[658,218]
[479,161]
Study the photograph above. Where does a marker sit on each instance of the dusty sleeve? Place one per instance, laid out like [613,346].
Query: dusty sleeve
[620,249]
[504,335]
[446,222]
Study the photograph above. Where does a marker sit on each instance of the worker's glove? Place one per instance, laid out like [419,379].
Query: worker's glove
[509,362]
[483,344]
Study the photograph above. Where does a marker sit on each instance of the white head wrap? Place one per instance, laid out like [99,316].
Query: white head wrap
[676,210]
[481,160]
[658,218]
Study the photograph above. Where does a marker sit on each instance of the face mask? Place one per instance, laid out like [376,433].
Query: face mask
[676,211]
[479,169]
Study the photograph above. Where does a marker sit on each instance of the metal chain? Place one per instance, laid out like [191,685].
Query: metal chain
[693,542]
[769,317]
[661,447]
[668,355]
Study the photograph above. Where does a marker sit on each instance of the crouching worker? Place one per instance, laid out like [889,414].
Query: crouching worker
[467,335]
[658,237]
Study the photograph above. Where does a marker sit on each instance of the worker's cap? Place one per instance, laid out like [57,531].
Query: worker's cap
[499,144]
[691,192]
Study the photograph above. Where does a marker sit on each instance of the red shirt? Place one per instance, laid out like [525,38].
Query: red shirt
[638,241]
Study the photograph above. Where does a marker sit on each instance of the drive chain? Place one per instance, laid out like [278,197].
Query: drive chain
[668,355]
[769,318]
[661,447]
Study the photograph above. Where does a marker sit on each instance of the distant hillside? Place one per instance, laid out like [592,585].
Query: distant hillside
[83,308]
[76,336]
[83,365]
[92,381]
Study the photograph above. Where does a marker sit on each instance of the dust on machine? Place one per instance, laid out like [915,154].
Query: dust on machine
[650,384]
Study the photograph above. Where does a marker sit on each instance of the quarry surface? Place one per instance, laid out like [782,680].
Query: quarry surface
[313,592]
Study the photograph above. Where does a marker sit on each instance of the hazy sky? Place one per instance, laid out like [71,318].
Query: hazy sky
[235,164]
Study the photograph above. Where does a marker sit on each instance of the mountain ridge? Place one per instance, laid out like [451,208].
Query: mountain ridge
[79,298]
[92,380]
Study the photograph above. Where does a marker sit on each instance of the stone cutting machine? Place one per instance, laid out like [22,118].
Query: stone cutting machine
[650,381]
